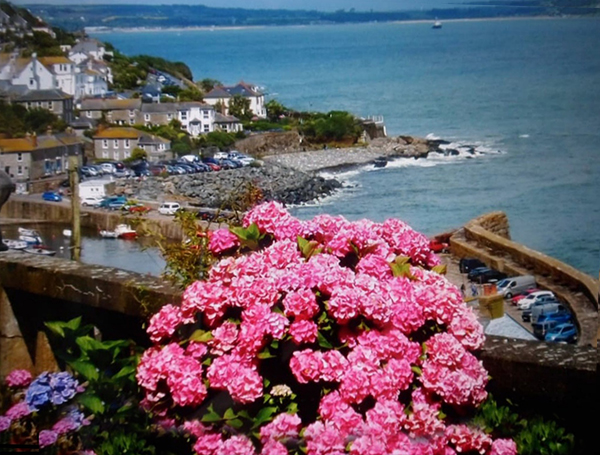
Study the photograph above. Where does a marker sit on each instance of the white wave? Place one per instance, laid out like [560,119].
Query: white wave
[432,137]
[524,136]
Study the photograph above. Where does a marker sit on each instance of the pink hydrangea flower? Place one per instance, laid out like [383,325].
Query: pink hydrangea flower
[47,438]
[221,240]
[303,331]
[19,378]
[18,411]
[283,427]
[504,447]
[164,323]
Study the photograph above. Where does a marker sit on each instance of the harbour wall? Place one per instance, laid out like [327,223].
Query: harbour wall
[36,289]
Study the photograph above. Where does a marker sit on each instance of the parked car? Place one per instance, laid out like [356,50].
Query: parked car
[220,155]
[489,276]
[562,333]
[51,196]
[524,294]
[515,285]
[116,201]
[169,208]
[550,312]
[137,208]
[527,312]
[108,168]
[88,171]
[465,265]
[246,160]
[474,273]
[91,201]
[540,296]
[540,329]
[437,246]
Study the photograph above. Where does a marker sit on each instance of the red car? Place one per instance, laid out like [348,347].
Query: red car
[139,208]
[518,297]
[438,247]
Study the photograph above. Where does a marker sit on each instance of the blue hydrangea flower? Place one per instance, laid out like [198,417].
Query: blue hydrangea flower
[39,392]
[64,387]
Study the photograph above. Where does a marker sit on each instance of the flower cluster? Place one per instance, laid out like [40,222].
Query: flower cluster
[47,397]
[353,315]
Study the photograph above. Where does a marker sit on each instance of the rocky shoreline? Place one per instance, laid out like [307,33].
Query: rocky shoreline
[290,177]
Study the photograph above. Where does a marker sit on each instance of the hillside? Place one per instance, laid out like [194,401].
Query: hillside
[74,17]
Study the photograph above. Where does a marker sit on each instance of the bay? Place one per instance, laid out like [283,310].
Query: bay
[523,92]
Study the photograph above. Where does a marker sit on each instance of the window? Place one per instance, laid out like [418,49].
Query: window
[19,170]
[183,115]
[104,153]
[127,154]
[31,82]
[127,143]
[58,164]
[161,146]
[131,121]
[131,112]
[169,116]
[116,154]
[116,143]
[50,106]
[47,167]
[29,105]
[147,117]
[104,143]
[205,114]
[206,128]
[19,157]
[88,114]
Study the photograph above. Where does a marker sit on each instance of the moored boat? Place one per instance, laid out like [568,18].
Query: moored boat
[41,250]
[124,231]
[108,234]
[15,244]
[31,236]
[437,24]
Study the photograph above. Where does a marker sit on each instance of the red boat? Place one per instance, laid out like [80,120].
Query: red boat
[123,231]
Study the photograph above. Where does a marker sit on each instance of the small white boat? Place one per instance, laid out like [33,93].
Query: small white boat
[108,234]
[40,250]
[15,244]
[31,236]
[437,24]
[67,232]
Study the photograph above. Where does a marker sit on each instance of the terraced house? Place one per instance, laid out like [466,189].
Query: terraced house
[37,163]
[118,144]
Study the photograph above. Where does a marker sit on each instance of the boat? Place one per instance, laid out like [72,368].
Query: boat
[67,232]
[15,244]
[31,236]
[124,231]
[41,250]
[108,234]
[437,24]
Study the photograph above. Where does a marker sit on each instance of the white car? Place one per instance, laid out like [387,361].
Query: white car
[526,302]
[169,208]
[91,201]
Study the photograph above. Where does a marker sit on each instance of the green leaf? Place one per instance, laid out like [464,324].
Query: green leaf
[73,324]
[264,415]
[201,336]
[235,423]
[86,369]
[229,414]
[87,343]
[416,370]
[126,371]
[56,327]
[266,354]
[308,248]
[323,341]
[400,260]
[211,416]
[92,402]
[441,269]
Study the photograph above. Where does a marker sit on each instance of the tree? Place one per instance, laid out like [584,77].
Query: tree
[138,154]
[240,107]
[191,94]
[208,84]
[275,110]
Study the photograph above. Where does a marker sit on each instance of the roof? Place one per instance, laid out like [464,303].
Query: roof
[16,145]
[43,95]
[220,118]
[99,104]
[192,104]
[46,61]
[32,143]
[118,133]
[147,138]
[218,92]
[159,108]
[242,88]
[89,45]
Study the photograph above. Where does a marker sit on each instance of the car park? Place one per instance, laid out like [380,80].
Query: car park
[169,208]
[515,285]
[51,196]
[91,201]
[465,265]
[539,297]
[524,294]
[562,333]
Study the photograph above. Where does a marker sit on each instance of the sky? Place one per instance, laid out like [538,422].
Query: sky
[319,5]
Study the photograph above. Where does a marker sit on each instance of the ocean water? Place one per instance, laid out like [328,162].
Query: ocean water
[524,93]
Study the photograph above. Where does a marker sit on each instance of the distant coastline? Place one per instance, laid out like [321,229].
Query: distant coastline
[101,30]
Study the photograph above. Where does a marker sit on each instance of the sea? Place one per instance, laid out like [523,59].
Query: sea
[519,99]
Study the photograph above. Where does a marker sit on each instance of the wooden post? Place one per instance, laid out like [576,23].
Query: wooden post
[75,208]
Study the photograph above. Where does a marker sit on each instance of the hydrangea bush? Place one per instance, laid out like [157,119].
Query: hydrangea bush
[322,337]
[43,410]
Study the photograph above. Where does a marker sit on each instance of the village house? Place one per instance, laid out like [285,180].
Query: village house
[37,163]
[222,96]
[54,100]
[118,143]
[88,48]
[117,111]
[227,123]
[196,118]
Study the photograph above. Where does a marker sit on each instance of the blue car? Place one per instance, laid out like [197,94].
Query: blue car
[51,196]
[562,333]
